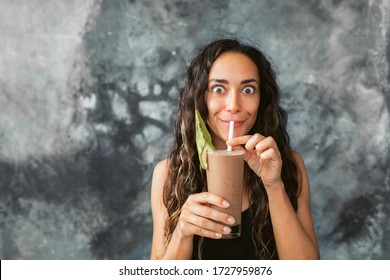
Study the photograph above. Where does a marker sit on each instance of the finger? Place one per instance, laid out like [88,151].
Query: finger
[253,141]
[190,209]
[267,143]
[247,153]
[209,225]
[241,140]
[193,229]
[190,223]
[210,198]
[213,214]
[269,154]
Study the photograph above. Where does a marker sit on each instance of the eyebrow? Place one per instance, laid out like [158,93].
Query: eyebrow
[223,81]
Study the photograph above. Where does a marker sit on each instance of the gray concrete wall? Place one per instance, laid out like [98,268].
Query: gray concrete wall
[87,96]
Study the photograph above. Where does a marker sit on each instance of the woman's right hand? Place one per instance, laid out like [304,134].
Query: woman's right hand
[197,217]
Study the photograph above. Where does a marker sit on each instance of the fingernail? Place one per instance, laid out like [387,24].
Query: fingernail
[218,235]
[226,229]
[225,203]
[231,220]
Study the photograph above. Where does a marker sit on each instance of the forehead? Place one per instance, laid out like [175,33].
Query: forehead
[233,65]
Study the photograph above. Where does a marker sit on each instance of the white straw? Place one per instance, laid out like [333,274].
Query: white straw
[231,131]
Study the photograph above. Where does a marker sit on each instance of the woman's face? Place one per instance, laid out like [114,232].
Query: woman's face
[233,94]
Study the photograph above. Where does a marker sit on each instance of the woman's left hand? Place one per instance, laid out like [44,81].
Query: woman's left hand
[262,155]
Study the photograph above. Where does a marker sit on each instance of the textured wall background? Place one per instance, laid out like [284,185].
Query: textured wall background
[87,98]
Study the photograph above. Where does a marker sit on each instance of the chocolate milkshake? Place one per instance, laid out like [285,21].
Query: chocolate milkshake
[225,178]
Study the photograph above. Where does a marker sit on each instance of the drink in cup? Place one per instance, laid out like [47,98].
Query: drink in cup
[225,178]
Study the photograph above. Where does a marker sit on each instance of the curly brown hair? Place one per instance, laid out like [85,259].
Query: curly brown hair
[185,176]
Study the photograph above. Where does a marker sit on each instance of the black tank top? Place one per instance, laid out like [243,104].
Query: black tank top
[240,248]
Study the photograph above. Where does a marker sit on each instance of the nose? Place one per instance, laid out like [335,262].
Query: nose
[233,102]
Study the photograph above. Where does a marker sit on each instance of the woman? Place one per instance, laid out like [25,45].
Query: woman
[229,80]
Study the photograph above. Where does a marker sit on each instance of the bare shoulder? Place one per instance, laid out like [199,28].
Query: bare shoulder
[298,159]
[159,211]
[303,180]
[160,174]
[304,209]
[301,165]
[161,169]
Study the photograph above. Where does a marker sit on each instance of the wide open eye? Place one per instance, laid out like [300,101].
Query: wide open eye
[248,90]
[218,89]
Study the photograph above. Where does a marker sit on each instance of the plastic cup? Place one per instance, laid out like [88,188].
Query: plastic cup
[225,179]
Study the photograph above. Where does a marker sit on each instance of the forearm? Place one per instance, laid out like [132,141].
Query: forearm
[179,248]
[292,240]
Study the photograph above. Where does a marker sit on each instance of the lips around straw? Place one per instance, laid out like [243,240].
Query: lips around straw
[231,131]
